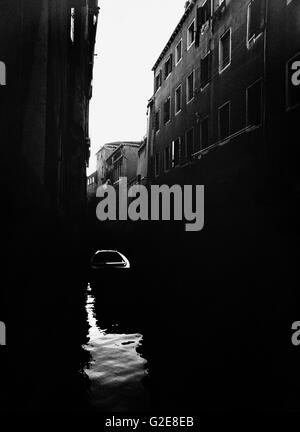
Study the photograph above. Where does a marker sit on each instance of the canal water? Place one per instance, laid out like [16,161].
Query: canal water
[116,369]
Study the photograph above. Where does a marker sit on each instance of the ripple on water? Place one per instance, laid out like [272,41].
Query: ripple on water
[116,369]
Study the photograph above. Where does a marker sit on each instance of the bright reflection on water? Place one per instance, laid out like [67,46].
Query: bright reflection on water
[116,369]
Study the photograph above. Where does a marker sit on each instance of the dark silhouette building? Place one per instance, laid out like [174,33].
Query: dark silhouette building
[48,50]
[46,58]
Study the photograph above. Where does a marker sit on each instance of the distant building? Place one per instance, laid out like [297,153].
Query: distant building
[142,164]
[123,162]
[102,156]
[92,184]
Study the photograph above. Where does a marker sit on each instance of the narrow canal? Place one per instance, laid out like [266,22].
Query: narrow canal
[116,369]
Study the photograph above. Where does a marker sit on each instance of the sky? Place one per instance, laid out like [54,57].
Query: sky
[131,35]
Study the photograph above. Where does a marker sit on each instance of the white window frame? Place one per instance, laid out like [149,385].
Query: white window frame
[176,110]
[230,50]
[176,59]
[187,87]
[193,22]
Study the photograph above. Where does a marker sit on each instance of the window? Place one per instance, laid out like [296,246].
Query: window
[191,34]
[178,99]
[158,80]
[206,12]
[205,70]
[255,20]
[190,87]
[203,17]
[168,67]
[178,52]
[204,133]
[72,25]
[156,164]
[293,82]
[167,158]
[167,110]
[225,50]
[254,104]
[190,141]
[176,146]
[224,121]
[156,121]
[117,171]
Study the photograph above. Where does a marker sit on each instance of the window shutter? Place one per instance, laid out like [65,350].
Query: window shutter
[160,77]
[171,62]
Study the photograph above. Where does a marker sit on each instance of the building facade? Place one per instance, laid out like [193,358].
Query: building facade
[92,184]
[102,155]
[224,108]
[204,98]
[215,108]
[142,164]
[123,163]
[48,50]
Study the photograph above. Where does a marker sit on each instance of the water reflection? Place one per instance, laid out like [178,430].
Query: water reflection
[116,369]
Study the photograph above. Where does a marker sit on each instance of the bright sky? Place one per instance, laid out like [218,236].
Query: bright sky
[131,35]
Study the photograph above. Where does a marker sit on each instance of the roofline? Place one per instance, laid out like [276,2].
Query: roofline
[107,145]
[116,144]
[123,144]
[175,32]
[143,145]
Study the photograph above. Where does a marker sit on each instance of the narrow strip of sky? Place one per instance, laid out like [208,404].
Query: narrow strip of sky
[131,35]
